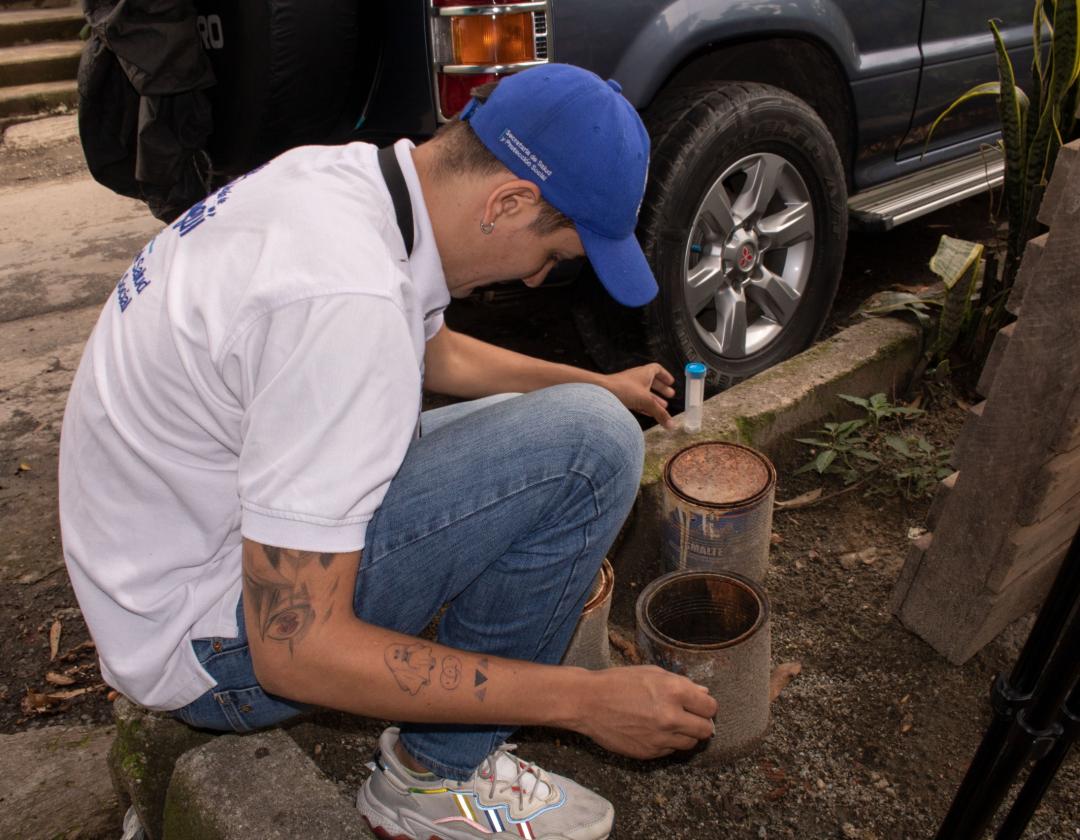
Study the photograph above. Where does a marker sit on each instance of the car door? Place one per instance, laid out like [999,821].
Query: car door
[958,53]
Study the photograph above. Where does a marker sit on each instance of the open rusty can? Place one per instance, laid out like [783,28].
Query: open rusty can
[717,509]
[713,627]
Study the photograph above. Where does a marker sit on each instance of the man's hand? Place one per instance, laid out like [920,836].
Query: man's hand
[646,712]
[644,390]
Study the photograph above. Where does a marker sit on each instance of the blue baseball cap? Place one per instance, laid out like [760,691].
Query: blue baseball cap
[582,143]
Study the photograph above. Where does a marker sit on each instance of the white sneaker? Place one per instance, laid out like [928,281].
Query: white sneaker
[506,797]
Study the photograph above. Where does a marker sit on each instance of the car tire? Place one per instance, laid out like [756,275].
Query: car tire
[765,159]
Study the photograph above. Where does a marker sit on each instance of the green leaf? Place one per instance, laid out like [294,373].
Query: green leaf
[815,442]
[925,445]
[1013,112]
[900,445]
[866,455]
[804,468]
[849,426]
[879,401]
[823,461]
[859,401]
[985,89]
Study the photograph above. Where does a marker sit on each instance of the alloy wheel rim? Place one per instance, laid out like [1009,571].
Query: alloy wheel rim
[748,257]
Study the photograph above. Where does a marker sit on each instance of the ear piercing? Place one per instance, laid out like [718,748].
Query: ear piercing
[487,227]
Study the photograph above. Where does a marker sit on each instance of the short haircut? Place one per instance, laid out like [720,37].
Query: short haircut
[461,152]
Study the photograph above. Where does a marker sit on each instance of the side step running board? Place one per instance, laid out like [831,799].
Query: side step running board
[907,198]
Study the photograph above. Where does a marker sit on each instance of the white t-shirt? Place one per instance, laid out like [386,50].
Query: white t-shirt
[256,373]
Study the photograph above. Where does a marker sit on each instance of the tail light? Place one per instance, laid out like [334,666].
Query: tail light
[477,43]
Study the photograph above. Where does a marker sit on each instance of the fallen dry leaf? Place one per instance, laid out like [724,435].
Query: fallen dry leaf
[59,679]
[777,792]
[61,696]
[803,500]
[625,647]
[775,538]
[75,651]
[23,467]
[33,703]
[782,674]
[54,639]
[112,695]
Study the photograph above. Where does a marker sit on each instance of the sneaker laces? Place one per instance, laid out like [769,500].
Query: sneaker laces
[508,773]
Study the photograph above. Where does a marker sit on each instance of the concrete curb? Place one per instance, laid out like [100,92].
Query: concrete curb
[874,355]
[261,785]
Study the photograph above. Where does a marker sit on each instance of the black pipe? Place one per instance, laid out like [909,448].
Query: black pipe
[1042,774]
[1009,695]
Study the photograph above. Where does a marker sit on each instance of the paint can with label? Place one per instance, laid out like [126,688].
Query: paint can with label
[717,509]
[713,627]
[589,646]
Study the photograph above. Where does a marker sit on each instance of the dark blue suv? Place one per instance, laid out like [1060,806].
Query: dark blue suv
[775,124]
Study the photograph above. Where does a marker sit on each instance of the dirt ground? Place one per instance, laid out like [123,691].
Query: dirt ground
[869,741]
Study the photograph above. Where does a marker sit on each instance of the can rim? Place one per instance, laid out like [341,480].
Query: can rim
[603,593]
[749,501]
[647,627]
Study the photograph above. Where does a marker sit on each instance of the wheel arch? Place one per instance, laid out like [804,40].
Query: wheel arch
[803,67]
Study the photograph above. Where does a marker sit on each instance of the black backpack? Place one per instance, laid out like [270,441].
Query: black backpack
[177,97]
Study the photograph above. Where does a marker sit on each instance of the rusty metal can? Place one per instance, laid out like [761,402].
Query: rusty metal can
[589,646]
[713,627]
[717,509]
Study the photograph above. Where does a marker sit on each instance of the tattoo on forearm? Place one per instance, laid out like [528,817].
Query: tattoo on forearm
[479,679]
[451,673]
[411,665]
[281,602]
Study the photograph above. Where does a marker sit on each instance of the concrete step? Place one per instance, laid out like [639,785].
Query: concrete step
[36,99]
[30,65]
[36,25]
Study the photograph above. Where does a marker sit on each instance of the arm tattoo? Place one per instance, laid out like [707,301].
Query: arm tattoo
[411,665]
[451,673]
[280,600]
[479,679]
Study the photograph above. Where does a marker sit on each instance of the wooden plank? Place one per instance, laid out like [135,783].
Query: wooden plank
[948,600]
[1031,545]
[1066,174]
[993,361]
[999,611]
[941,498]
[912,564]
[1069,438]
[1029,267]
[967,434]
[1057,484]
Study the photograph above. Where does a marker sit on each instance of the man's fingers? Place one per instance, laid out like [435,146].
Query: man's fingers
[684,742]
[664,376]
[700,703]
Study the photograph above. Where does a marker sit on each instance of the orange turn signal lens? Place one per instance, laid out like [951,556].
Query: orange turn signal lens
[493,39]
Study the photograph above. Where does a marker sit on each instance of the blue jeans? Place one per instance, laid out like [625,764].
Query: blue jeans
[503,510]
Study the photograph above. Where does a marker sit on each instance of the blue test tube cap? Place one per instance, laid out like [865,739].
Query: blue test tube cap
[695,370]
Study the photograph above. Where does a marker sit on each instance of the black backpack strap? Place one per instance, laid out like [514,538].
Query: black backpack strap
[399,192]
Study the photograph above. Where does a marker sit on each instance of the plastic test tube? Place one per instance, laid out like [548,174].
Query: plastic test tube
[695,396]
